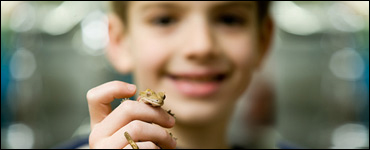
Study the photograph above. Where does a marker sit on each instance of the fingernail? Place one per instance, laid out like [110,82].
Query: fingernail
[172,120]
[131,87]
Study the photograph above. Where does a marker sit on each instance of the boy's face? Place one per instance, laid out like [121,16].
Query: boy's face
[201,54]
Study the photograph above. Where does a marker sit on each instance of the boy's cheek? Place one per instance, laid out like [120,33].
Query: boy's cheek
[241,51]
[149,58]
[150,48]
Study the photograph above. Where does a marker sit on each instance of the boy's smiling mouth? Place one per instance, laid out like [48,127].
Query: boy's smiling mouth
[198,84]
[200,78]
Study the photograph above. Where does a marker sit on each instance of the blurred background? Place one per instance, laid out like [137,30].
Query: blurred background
[312,93]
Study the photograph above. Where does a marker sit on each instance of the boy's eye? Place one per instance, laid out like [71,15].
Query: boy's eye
[164,20]
[230,20]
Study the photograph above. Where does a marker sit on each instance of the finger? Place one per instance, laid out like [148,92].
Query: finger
[143,131]
[143,145]
[128,111]
[100,97]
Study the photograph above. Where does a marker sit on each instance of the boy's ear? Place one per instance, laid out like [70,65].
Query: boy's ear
[265,41]
[118,51]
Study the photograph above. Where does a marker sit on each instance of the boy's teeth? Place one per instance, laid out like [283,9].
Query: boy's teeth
[200,79]
[196,80]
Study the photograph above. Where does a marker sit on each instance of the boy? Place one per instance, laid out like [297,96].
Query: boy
[201,54]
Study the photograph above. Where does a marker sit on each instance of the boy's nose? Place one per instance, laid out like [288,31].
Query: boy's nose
[200,45]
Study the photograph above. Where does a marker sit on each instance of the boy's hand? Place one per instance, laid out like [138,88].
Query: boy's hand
[108,127]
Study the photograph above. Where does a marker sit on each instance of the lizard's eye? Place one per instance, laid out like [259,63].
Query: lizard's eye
[164,97]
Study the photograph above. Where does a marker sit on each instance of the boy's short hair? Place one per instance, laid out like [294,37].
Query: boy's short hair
[120,8]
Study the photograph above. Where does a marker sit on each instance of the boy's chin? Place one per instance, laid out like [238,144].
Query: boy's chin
[204,116]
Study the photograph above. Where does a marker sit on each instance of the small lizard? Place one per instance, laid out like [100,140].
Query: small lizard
[150,97]
[155,99]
